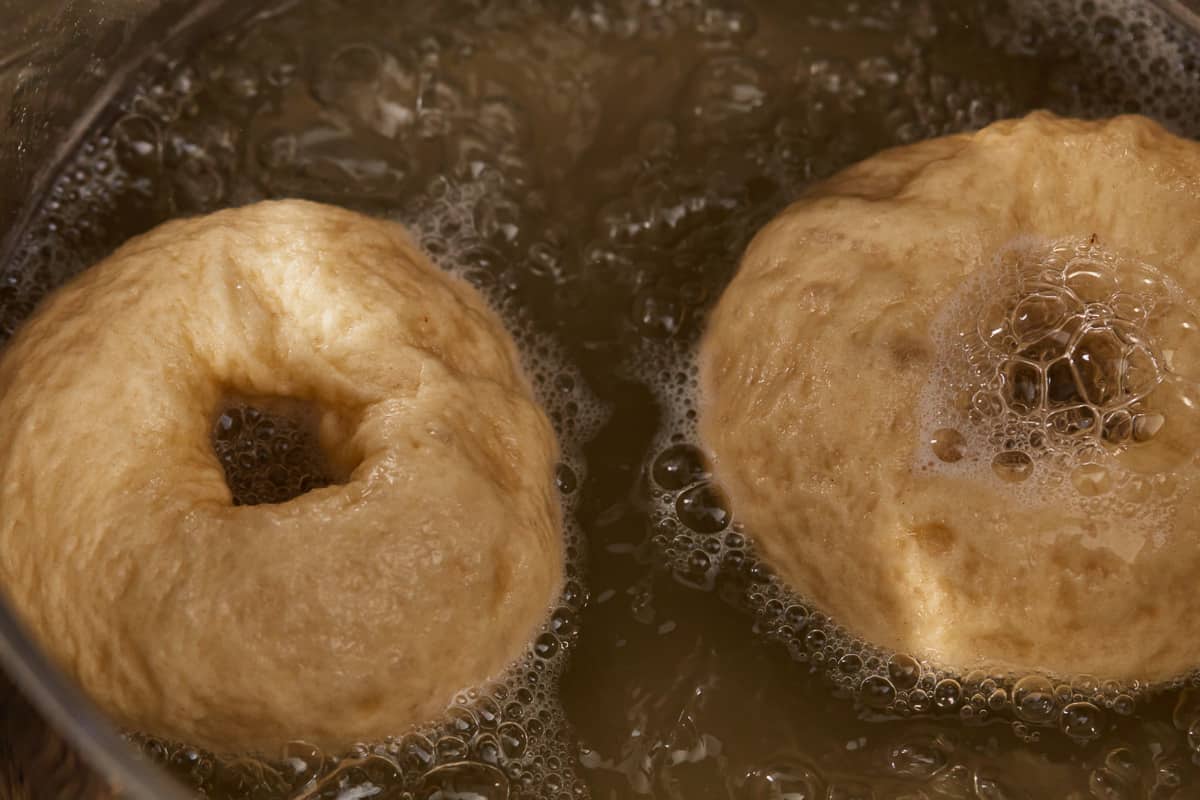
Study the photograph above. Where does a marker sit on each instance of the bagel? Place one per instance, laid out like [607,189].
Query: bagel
[347,613]
[943,471]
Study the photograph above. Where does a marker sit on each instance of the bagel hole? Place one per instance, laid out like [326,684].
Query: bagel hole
[270,449]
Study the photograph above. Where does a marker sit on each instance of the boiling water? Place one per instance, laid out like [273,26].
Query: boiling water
[596,168]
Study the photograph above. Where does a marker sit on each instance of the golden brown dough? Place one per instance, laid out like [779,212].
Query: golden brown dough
[815,402]
[347,613]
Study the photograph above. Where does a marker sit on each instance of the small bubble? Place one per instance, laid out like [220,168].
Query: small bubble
[679,466]
[1023,387]
[796,616]
[1062,386]
[451,748]
[917,759]
[466,779]
[993,325]
[1012,466]
[546,646]
[565,479]
[1033,699]
[947,444]
[877,691]
[1118,427]
[1097,359]
[703,509]
[698,562]
[1179,332]
[462,721]
[657,316]
[784,780]
[849,663]
[947,695]
[138,143]
[987,404]
[1124,705]
[1140,372]
[1082,721]
[1075,422]
[1091,480]
[1147,426]
[991,789]
[563,623]
[1037,315]
[1123,763]
[1193,735]
[1090,282]
[904,671]
[487,713]
[486,749]
[417,753]
[513,739]
[229,425]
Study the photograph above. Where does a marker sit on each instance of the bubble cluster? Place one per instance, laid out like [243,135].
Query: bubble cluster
[1064,362]
[504,740]
[1128,58]
[268,454]
[1060,366]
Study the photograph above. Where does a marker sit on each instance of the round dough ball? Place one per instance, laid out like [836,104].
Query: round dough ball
[829,356]
[347,613]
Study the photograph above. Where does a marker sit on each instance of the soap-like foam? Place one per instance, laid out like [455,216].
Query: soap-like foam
[1065,378]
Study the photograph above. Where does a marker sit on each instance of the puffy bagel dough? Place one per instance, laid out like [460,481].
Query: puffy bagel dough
[815,356]
[347,613]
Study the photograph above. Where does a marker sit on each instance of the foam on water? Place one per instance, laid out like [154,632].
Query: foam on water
[1067,377]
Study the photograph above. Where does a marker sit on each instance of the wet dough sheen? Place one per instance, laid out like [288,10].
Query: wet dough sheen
[816,355]
[347,613]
